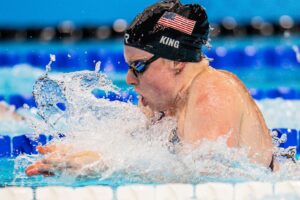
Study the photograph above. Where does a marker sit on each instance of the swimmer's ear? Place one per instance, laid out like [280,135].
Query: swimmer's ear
[178,66]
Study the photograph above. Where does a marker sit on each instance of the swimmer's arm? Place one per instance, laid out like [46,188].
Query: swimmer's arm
[214,115]
[210,114]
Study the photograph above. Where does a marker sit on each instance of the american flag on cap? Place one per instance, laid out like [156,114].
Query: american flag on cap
[177,22]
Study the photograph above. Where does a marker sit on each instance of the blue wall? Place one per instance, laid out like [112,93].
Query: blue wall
[94,12]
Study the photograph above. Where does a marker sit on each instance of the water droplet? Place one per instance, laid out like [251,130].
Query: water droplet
[25,106]
[48,66]
[97,67]
[296,50]
[52,57]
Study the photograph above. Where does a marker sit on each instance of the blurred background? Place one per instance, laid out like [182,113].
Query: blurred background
[256,39]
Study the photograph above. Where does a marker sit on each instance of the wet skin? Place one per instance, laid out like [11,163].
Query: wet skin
[60,158]
[206,102]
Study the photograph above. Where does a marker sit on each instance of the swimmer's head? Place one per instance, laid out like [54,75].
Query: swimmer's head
[170,30]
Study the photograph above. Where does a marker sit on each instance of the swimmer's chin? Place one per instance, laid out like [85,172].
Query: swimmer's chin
[145,104]
[148,104]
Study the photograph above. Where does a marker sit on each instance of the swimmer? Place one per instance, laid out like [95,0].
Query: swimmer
[163,48]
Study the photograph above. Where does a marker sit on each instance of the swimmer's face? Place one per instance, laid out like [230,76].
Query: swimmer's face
[156,85]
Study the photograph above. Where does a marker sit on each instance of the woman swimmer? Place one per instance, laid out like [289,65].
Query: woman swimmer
[172,76]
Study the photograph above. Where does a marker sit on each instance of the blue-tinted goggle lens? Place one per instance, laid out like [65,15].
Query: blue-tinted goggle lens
[140,66]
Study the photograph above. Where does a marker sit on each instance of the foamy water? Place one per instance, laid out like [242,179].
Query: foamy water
[134,149]
[280,113]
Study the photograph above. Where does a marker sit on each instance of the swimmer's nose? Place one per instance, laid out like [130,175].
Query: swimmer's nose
[131,79]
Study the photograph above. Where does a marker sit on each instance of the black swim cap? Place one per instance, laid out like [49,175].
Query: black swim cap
[170,30]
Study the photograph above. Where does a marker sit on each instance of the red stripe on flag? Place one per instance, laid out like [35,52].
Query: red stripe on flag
[179,23]
[183,28]
[188,31]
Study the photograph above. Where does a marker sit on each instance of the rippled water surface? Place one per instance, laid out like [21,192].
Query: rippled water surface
[133,150]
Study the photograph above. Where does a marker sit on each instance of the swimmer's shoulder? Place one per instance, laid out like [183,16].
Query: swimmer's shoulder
[213,80]
[227,81]
[212,106]
[240,86]
[232,77]
[218,88]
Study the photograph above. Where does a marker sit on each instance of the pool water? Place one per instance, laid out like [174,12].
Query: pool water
[109,123]
[261,63]
[146,158]
[11,177]
[21,78]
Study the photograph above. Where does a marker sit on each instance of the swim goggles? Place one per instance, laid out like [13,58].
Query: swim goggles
[140,66]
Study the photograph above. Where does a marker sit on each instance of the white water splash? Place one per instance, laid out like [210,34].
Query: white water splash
[48,66]
[296,50]
[131,149]
[280,113]
[97,67]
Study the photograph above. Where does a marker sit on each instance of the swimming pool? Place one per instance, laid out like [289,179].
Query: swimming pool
[282,78]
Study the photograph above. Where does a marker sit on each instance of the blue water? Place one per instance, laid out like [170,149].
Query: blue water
[11,177]
[261,71]
[13,169]
[21,78]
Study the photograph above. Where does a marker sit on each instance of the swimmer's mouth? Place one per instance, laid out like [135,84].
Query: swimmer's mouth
[142,99]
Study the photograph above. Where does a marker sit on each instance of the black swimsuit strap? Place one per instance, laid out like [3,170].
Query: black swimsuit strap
[162,115]
[173,138]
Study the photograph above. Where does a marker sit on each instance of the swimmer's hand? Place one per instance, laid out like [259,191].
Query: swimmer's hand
[59,158]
